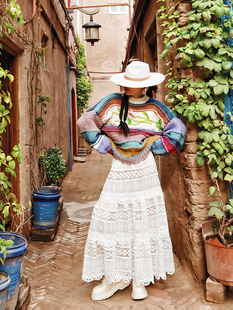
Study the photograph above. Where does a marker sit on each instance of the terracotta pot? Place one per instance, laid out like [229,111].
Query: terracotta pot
[219,259]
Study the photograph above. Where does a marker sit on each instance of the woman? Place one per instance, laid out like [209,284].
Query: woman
[128,237]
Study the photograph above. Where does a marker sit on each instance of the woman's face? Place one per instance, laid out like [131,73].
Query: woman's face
[133,92]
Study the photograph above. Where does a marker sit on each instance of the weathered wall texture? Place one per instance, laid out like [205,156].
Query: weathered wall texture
[48,28]
[184,183]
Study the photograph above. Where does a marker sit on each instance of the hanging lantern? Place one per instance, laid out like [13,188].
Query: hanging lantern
[92,31]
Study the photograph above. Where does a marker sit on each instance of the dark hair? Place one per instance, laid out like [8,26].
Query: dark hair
[150,89]
[125,106]
[123,114]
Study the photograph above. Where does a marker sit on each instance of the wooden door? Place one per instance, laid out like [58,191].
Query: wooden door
[11,135]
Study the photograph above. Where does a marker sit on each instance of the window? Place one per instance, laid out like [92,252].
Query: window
[44,44]
[118,9]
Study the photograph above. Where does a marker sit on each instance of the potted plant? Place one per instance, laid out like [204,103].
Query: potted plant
[217,235]
[46,197]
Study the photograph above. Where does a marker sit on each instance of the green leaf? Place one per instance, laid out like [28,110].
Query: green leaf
[213,175]
[227,207]
[207,43]
[219,11]
[222,165]
[206,15]
[216,212]
[219,214]
[196,26]
[218,89]
[216,43]
[199,53]
[212,189]
[226,65]
[215,204]
[228,170]
[209,64]
[12,164]
[222,51]
[187,36]
[200,160]
[6,211]
[228,161]
[225,89]
[213,83]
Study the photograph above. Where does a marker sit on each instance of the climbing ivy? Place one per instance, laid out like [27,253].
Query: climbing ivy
[204,44]
[43,100]
[9,12]
[83,86]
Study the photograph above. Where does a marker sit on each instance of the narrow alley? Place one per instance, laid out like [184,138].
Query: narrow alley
[54,268]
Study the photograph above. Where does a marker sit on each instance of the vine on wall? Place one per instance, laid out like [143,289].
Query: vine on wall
[9,12]
[204,44]
[83,86]
[202,100]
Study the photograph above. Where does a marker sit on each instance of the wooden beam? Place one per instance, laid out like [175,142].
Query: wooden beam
[136,19]
[47,18]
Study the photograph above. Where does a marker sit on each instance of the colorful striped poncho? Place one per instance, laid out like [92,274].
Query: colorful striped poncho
[153,127]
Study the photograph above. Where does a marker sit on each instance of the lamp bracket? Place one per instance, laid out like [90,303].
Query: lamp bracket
[93,12]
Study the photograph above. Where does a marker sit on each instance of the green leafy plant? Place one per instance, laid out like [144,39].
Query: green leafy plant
[10,11]
[9,206]
[43,100]
[83,86]
[40,51]
[53,165]
[205,44]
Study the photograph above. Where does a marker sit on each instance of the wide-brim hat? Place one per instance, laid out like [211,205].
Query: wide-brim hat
[137,75]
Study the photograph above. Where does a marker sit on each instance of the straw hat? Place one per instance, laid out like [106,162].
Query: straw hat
[137,75]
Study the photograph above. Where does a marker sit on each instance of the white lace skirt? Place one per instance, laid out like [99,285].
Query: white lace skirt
[128,236]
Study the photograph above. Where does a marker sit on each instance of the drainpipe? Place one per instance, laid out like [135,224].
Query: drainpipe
[68,89]
[33,13]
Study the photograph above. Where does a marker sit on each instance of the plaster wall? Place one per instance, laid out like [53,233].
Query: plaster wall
[34,80]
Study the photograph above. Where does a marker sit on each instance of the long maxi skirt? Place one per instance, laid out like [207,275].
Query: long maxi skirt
[128,236]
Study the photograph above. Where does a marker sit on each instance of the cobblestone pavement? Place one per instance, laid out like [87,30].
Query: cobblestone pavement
[54,268]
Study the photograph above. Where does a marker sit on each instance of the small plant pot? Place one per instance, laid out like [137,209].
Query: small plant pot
[13,266]
[219,259]
[45,206]
[4,283]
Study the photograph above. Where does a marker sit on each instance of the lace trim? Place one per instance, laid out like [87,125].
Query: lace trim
[128,276]
[111,241]
[132,174]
